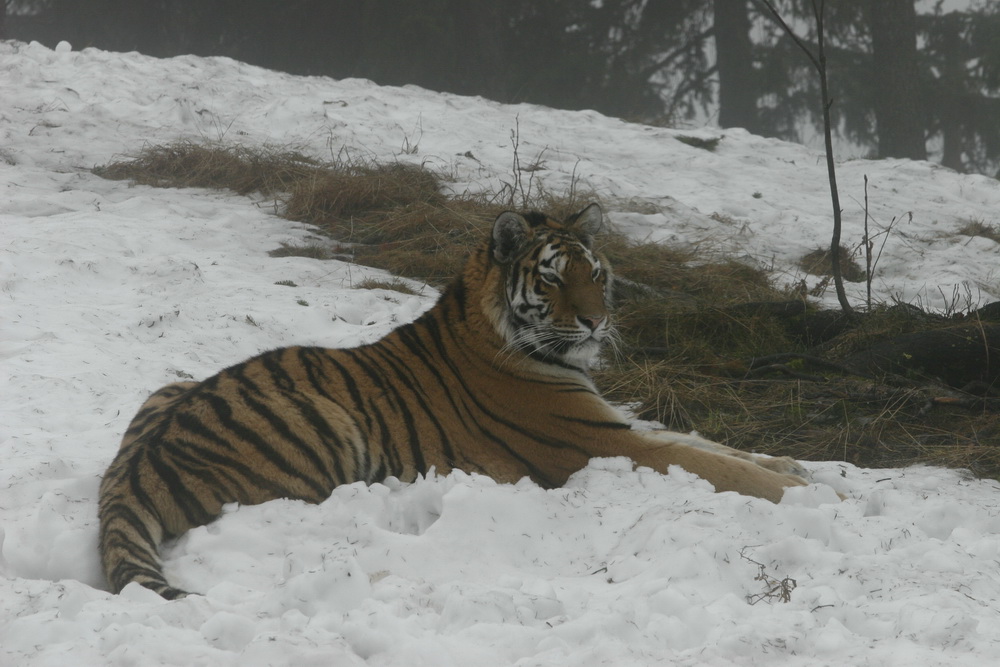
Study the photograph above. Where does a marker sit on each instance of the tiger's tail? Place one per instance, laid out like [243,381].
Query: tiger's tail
[130,535]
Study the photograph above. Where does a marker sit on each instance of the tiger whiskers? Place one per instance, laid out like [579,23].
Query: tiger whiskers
[526,340]
[612,341]
[543,338]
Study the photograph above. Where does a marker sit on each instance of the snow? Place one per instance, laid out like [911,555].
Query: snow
[109,291]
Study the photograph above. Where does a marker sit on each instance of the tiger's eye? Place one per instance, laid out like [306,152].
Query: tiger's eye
[550,279]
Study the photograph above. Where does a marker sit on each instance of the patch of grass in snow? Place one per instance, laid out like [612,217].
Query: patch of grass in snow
[981,228]
[395,285]
[818,263]
[187,164]
[314,250]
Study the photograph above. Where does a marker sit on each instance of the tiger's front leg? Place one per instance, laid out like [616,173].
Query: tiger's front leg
[785,465]
[743,474]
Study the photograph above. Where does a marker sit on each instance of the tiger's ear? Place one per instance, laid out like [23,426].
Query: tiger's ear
[509,232]
[588,222]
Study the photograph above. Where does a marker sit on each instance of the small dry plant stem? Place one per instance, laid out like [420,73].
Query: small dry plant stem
[774,589]
[871,261]
[868,252]
[518,185]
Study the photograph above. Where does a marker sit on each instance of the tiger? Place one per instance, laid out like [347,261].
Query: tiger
[493,379]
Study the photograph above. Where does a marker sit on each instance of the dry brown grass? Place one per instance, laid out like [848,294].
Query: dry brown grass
[425,240]
[334,197]
[981,228]
[818,263]
[394,285]
[185,164]
[841,418]
[690,323]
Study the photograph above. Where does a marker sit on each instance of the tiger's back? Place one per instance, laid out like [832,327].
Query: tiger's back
[492,379]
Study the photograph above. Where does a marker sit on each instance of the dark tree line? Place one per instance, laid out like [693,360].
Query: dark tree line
[903,84]
[900,81]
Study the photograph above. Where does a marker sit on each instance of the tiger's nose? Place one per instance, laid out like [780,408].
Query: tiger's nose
[591,321]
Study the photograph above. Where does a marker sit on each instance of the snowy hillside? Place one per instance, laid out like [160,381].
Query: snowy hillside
[109,291]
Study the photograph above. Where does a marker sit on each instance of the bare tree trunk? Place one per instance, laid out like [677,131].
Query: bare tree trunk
[479,60]
[898,108]
[953,144]
[950,106]
[737,95]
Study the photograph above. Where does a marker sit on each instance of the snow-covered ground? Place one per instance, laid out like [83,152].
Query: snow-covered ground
[109,291]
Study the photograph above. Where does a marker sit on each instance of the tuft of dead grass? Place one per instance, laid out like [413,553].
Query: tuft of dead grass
[394,285]
[981,228]
[186,164]
[818,263]
[335,197]
[313,250]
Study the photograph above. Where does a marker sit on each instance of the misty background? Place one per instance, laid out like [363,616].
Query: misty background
[907,79]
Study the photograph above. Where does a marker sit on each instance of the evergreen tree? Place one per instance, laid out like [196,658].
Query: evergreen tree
[961,67]
[738,85]
[898,98]
[952,100]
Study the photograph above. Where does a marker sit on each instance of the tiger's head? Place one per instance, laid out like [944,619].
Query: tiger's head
[556,287]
